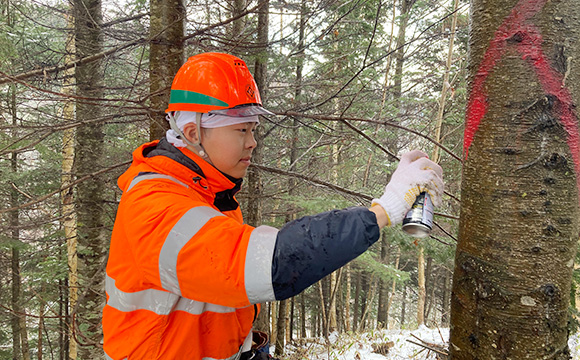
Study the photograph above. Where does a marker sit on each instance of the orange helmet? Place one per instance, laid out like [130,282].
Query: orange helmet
[216,83]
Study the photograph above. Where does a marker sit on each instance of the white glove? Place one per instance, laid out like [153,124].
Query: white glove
[414,175]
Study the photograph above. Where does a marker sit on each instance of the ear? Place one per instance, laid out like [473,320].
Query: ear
[190,132]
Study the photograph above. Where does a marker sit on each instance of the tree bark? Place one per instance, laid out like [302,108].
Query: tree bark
[393,287]
[89,157]
[323,313]
[166,31]
[14,219]
[406,6]
[446,296]
[69,219]
[382,313]
[237,26]
[289,319]
[274,322]
[357,290]
[445,86]
[63,328]
[429,287]
[403,305]
[519,220]
[302,315]
[347,296]
[281,328]
[255,185]
[40,331]
[420,285]
[368,302]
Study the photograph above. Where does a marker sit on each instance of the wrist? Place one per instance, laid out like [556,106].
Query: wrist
[382,216]
[394,206]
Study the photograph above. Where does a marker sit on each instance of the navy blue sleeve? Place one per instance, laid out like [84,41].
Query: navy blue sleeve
[309,248]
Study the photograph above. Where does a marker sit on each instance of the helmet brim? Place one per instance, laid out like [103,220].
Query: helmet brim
[243,111]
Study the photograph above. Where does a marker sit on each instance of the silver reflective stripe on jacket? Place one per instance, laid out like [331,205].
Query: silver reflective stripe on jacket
[258,268]
[189,224]
[157,301]
[137,179]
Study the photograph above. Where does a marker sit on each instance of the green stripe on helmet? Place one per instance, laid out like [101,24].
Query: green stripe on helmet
[190,97]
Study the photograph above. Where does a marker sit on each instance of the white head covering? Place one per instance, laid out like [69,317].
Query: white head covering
[208,121]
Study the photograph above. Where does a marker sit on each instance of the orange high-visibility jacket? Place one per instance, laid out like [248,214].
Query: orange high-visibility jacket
[184,272]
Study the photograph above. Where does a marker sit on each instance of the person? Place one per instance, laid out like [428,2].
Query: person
[185,275]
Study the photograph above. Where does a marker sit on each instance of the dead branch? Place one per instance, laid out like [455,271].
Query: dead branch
[58,191]
[344,119]
[439,349]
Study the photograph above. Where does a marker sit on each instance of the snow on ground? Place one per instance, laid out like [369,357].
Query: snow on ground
[360,347]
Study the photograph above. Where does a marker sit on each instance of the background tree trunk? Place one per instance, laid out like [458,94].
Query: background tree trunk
[69,219]
[89,157]
[403,306]
[406,6]
[302,315]
[166,31]
[237,26]
[347,296]
[420,285]
[281,328]
[519,222]
[383,287]
[15,240]
[255,186]
[445,300]
[393,288]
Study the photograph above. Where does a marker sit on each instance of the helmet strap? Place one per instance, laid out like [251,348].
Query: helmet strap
[196,145]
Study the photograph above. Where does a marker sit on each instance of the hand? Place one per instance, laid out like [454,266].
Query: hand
[414,175]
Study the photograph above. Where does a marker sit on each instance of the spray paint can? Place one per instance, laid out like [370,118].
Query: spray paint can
[419,220]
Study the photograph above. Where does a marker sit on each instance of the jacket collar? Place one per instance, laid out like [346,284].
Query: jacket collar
[190,168]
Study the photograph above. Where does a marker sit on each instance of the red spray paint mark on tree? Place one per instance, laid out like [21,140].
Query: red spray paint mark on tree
[528,41]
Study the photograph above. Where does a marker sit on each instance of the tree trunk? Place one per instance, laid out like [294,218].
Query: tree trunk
[383,288]
[431,300]
[166,57]
[323,314]
[347,321]
[445,86]
[429,287]
[89,157]
[40,331]
[406,6]
[237,26]
[289,313]
[420,285]
[14,218]
[281,328]
[393,287]
[15,321]
[403,305]
[302,316]
[255,186]
[69,219]
[332,323]
[63,329]
[519,220]
[356,300]
[274,322]
[445,301]
[368,301]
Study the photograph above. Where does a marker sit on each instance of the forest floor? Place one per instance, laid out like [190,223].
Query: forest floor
[386,344]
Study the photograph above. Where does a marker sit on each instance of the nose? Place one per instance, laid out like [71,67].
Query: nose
[251,142]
